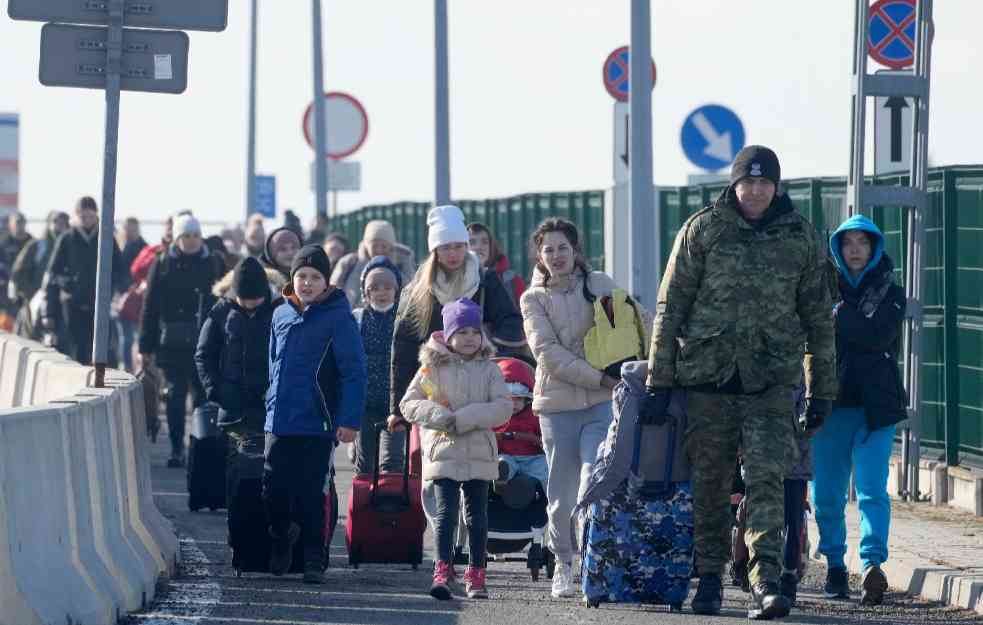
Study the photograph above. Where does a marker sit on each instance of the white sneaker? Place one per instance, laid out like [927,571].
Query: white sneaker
[562,581]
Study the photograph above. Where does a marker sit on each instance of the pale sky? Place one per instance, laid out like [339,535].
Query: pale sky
[528,109]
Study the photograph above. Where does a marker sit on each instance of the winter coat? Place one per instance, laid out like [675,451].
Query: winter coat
[131,250]
[743,305]
[515,370]
[868,333]
[501,318]
[29,267]
[178,297]
[140,267]
[10,247]
[513,282]
[223,288]
[457,403]
[347,274]
[557,317]
[317,368]
[71,275]
[377,336]
[233,359]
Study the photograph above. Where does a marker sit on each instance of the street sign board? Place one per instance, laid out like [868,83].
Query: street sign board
[152,60]
[893,118]
[266,195]
[342,176]
[210,15]
[347,124]
[9,162]
[711,136]
[615,72]
[891,33]
[622,172]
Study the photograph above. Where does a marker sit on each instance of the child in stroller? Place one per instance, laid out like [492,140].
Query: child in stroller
[517,503]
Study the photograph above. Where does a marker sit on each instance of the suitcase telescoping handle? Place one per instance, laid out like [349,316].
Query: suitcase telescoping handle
[379,427]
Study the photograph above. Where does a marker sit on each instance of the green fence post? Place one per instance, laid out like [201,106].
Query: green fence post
[950,319]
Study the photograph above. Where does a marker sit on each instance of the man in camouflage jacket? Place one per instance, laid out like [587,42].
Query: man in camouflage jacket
[743,309]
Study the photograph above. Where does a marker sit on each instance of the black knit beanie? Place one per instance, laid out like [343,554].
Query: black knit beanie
[249,279]
[311,256]
[756,161]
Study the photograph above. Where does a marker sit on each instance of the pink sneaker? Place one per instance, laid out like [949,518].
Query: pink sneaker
[474,583]
[440,588]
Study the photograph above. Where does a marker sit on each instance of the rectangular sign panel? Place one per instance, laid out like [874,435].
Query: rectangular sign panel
[211,15]
[9,163]
[75,56]
[893,119]
[266,196]
[342,175]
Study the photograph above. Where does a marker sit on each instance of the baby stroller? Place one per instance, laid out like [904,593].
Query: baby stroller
[516,519]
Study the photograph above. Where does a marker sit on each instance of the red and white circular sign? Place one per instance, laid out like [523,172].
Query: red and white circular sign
[347,124]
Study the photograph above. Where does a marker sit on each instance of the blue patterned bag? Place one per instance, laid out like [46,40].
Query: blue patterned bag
[638,534]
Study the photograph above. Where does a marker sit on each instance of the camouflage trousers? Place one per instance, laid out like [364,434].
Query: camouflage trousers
[718,426]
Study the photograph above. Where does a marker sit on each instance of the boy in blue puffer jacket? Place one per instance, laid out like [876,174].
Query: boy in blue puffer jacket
[859,434]
[316,397]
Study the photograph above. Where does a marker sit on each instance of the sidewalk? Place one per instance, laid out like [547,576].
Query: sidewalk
[936,553]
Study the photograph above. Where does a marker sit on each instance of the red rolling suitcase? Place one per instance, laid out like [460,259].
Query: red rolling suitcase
[385,515]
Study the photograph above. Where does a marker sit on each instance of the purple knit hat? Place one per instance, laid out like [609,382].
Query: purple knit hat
[459,314]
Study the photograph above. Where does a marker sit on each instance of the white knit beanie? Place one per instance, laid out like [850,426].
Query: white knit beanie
[446,225]
[184,225]
[379,230]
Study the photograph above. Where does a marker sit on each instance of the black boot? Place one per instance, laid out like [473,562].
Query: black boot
[837,583]
[709,595]
[789,585]
[282,550]
[874,586]
[313,566]
[767,602]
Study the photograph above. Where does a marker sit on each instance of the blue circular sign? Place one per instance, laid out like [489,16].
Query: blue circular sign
[615,73]
[891,33]
[711,136]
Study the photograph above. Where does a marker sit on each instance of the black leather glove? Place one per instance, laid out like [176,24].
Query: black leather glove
[815,413]
[654,408]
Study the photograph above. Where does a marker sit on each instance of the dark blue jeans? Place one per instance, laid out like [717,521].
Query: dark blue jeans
[448,494]
[293,485]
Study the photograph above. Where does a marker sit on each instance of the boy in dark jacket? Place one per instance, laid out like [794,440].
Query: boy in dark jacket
[316,397]
[859,434]
[381,282]
[232,356]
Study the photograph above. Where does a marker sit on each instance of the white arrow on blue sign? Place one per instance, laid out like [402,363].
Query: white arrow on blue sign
[711,136]
[266,196]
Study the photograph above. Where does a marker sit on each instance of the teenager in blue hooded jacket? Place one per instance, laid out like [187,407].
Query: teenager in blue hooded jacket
[859,434]
[316,396]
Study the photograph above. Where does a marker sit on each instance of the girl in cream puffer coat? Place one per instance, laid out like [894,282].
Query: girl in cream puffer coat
[457,397]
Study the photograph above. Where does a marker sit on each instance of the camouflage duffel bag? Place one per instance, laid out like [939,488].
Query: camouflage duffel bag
[639,549]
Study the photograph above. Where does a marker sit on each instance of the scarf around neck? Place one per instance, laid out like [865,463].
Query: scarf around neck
[447,291]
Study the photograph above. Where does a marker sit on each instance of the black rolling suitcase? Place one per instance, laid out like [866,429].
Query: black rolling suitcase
[207,450]
[249,536]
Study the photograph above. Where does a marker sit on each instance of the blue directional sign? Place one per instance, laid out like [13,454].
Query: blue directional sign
[711,136]
[266,196]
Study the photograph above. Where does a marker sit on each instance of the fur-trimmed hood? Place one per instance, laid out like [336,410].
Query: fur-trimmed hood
[435,353]
[223,288]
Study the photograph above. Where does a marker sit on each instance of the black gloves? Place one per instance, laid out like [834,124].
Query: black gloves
[816,412]
[654,407]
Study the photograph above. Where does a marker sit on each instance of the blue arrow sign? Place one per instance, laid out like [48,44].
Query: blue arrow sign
[711,136]
[266,196]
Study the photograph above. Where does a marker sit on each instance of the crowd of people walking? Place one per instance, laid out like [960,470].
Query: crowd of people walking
[784,346]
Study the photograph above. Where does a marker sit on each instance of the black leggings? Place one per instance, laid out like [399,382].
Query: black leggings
[795,492]
[448,494]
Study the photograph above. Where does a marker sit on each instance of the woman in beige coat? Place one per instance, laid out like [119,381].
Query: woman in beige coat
[457,397]
[572,398]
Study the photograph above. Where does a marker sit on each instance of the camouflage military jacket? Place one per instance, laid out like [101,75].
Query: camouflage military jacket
[736,298]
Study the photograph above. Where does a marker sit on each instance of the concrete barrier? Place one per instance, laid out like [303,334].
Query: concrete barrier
[81,540]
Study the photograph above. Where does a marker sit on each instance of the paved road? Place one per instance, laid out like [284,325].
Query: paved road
[207,592]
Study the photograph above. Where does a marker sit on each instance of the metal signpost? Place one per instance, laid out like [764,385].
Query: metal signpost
[320,122]
[266,196]
[251,131]
[711,136]
[115,58]
[897,33]
[442,156]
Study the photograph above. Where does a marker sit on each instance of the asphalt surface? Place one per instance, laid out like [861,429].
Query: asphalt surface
[206,590]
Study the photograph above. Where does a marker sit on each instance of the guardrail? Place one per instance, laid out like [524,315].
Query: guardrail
[81,540]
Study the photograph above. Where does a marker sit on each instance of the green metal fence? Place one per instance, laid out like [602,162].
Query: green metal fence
[952,373]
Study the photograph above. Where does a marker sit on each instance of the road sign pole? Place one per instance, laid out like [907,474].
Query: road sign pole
[320,127]
[104,264]
[442,188]
[643,221]
[251,148]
